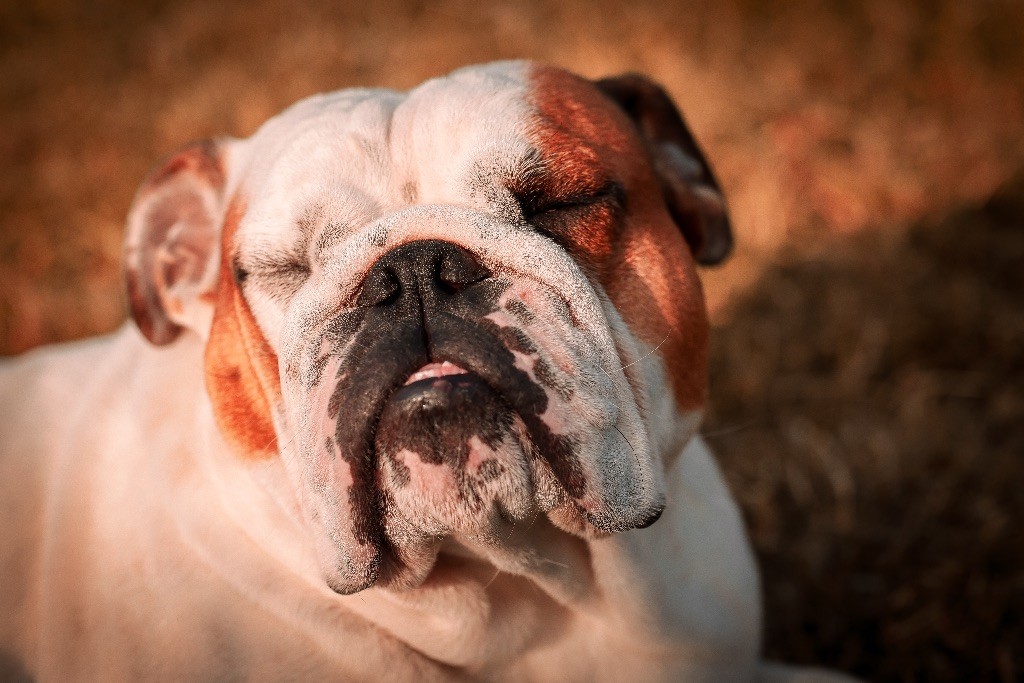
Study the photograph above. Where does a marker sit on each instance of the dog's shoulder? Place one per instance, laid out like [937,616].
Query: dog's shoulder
[82,423]
[43,390]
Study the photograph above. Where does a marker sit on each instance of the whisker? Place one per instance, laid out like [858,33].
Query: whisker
[496,572]
[649,353]
[635,455]
[557,564]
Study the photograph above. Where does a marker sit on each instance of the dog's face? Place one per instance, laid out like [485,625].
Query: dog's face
[447,311]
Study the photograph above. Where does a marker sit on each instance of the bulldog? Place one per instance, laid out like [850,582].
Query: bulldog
[411,393]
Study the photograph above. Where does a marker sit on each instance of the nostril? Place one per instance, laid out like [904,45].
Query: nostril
[382,286]
[458,269]
[424,269]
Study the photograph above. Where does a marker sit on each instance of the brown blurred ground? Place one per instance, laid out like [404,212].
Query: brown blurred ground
[868,360]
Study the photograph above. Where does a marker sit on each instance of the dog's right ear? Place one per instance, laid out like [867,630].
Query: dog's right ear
[172,243]
[691,191]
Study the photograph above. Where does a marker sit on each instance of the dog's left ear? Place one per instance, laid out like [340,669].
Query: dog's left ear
[691,191]
[172,242]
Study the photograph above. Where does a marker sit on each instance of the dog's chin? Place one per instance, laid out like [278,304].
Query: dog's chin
[453,461]
[452,455]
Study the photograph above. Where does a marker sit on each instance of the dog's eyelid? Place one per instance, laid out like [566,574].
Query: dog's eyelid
[536,204]
[286,267]
[238,271]
[261,260]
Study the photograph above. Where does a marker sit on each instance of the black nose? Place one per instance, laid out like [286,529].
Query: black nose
[429,268]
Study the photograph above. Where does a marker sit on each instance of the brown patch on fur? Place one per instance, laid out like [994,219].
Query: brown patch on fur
[410,192]
[241,368]
[640,258]
[576,141]
[199,158]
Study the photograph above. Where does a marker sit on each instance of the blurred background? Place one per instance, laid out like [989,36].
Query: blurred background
[868,345]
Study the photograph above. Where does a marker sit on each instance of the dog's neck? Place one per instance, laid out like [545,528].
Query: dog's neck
[229,531]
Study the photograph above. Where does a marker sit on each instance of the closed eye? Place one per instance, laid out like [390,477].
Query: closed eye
[535,206]
[280,276]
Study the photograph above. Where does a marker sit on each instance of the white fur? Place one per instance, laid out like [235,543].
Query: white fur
[166,556]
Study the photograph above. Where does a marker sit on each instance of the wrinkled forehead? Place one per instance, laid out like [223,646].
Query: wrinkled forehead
[452,139]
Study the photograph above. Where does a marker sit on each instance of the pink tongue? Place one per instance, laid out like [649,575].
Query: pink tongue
[432,370]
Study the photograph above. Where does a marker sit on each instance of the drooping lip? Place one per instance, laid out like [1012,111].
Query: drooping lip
[372,376]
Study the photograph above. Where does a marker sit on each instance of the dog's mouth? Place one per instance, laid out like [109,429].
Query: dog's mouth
[431,431]
[455,459]
[432,371]
[441,437]
[432,441]
[447,432]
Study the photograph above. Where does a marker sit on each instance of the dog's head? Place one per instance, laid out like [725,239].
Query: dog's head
[445,311]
